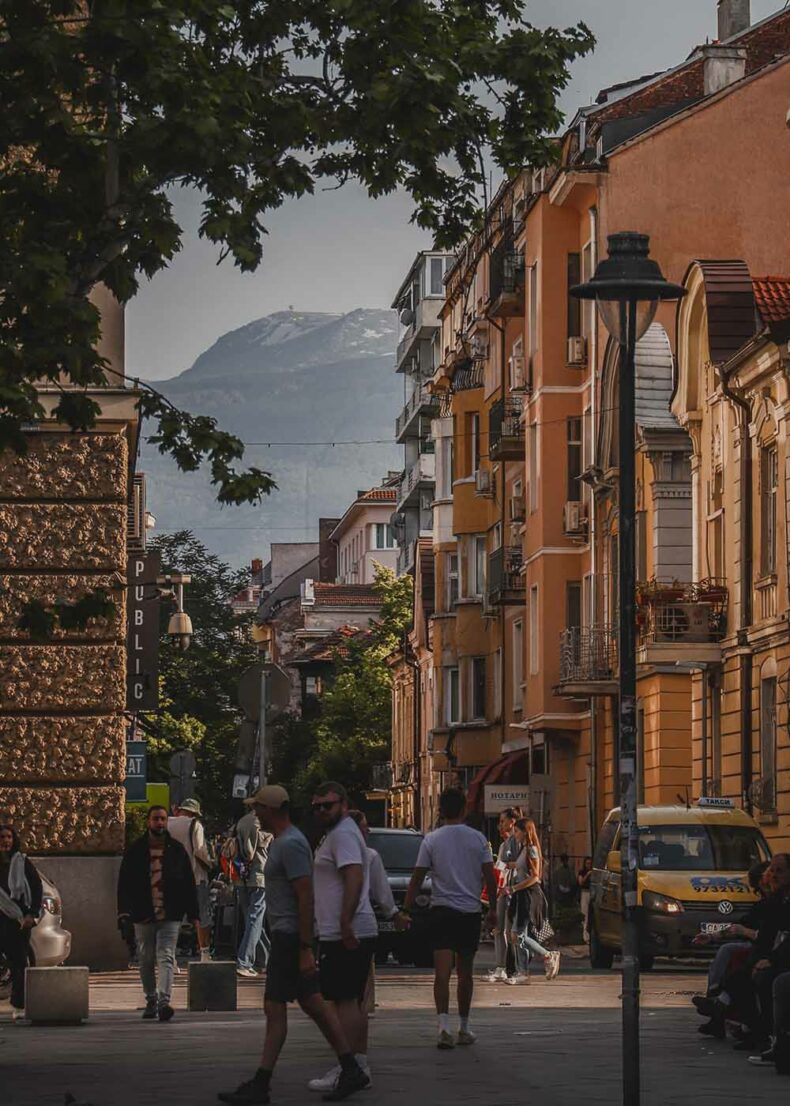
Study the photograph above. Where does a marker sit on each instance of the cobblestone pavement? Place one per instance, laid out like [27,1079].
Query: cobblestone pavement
[551,1044]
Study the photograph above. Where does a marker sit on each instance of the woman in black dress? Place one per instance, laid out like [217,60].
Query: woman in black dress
[20,906]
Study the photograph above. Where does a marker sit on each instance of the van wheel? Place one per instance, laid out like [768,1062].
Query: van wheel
[646,962]
[600,956]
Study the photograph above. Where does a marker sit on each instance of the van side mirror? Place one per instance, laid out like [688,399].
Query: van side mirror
[613,861]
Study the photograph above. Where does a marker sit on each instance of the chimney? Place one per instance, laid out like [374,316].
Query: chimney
[257,567]
[723,66]
[734,17]
[327,551]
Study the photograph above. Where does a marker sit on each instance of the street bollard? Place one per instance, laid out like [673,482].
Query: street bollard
[56,996]
[211,985]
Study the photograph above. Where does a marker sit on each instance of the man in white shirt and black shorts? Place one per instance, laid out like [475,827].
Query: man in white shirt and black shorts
[345,920]
[460,861]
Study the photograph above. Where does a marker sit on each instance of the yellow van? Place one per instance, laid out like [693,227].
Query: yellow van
[693,866]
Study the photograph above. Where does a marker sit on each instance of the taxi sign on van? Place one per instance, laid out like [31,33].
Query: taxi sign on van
[716,803]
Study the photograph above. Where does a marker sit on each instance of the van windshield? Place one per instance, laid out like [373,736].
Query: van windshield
[397,850]
[700,848]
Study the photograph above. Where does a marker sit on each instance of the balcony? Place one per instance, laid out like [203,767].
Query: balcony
[468,374]
[421,404]
[506,281]
[588,660]
[680,622]
[506,583]
[506,430]
[424,324]
[421,473]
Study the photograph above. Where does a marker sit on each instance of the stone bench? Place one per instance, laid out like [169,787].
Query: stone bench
[211,985]
[56,996]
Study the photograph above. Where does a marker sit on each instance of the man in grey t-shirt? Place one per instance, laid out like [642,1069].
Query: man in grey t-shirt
[291,972]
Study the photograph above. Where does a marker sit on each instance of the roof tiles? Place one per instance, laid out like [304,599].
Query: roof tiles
[772,296]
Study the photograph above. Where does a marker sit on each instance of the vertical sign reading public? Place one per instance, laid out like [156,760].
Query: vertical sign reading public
[142,670]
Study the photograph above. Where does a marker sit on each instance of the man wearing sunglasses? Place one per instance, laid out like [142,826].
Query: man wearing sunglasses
[345,921]
[291,972]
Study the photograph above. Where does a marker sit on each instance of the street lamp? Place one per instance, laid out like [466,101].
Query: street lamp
[627,287]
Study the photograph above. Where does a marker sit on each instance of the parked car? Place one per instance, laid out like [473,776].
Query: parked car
[692,878]
[398,849]
[50,943]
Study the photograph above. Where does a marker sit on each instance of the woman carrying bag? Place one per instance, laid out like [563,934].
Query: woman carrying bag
[529,923]
[20,906]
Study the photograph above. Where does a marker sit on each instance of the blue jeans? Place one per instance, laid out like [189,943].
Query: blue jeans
[253,903]
[156,947]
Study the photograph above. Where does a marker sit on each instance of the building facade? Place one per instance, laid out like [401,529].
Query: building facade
[364,536]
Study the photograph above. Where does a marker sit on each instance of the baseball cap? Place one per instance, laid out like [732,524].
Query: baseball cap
[271,794]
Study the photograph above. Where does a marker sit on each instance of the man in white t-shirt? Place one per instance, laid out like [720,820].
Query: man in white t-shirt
[345,920]
[186,827]
[460,861]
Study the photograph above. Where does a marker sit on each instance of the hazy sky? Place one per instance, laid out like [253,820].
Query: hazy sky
[339,250]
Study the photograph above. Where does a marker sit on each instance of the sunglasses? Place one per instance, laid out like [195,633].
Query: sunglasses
[315,807]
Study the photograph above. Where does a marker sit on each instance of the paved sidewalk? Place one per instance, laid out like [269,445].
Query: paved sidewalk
[555,1044]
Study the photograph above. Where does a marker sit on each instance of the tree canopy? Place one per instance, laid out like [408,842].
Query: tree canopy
[109,104]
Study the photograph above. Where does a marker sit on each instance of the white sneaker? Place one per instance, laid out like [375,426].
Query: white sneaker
[445,1040]
[515,980]
[552,965]
[248,973]
[325,1082]
[497,975]
[466,1037]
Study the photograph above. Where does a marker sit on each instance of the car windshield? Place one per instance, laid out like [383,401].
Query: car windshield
[700,848]
[397,850]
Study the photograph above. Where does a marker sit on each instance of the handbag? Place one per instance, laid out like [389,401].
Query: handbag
[546,930]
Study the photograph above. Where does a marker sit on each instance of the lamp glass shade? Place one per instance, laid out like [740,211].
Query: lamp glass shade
[613,316]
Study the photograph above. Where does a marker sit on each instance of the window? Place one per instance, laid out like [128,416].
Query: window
[451,581]
[436,274]
[641,546]
[768,745]
[532,462]
[588,306]
[517,660]
[383,536]
[478,688]
[640,752]
[496,676]
[574,304]
[533,309]
[573,429]
[474,443]
[573,604]
[452,697]
[768,486]
[588,613]
[716,565]
[478,574]
[700,848]
[605,843]
[534,630]
[444,488]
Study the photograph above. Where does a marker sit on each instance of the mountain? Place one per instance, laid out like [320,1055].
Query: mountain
[291,377]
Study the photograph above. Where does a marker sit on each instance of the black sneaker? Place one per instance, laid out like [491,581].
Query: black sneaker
[765,1059]
[255,1092]
[149,1014]
[705,1005]
[349,1082]
[166,1012]
[714,1028]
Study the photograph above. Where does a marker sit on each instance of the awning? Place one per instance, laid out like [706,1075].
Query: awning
[512,768]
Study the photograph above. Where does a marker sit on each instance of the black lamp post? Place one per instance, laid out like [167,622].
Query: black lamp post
[627,288]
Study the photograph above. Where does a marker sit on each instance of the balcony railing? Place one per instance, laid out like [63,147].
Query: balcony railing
[506,282]
[381,777]
[506,583]
[588,654]
[468,374]
[682,613]
[422,471]
[422,402]
[506,430]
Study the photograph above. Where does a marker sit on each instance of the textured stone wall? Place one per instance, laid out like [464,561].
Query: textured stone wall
[62,730]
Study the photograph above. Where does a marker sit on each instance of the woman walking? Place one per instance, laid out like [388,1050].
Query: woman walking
[20,906]
[583,879]
[528,908]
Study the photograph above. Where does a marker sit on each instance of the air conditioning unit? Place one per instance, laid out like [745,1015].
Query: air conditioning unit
[577,351]
[678,622]
[518,508]
[574,518]
[135,521]
[479,347]
[484,482]
[518,372]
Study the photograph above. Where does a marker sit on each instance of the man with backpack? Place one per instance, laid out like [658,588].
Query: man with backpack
[186,827]
[253,848]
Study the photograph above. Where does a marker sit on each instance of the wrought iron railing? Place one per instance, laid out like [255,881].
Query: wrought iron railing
[670,612]
[504,421]
[507,270]
[468,375]
[422,401]
[588,654]
[505,572]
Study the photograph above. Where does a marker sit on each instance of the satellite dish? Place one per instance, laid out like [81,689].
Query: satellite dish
[406,316]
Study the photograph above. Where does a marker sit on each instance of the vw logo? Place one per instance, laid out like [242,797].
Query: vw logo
[725,907]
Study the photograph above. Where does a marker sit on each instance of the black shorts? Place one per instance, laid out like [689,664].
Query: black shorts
[344,972]
[284,981]
[454,930]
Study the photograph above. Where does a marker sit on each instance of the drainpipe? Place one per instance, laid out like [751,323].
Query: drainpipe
[745,618]
[503,485]
[594,822]
[414,665]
